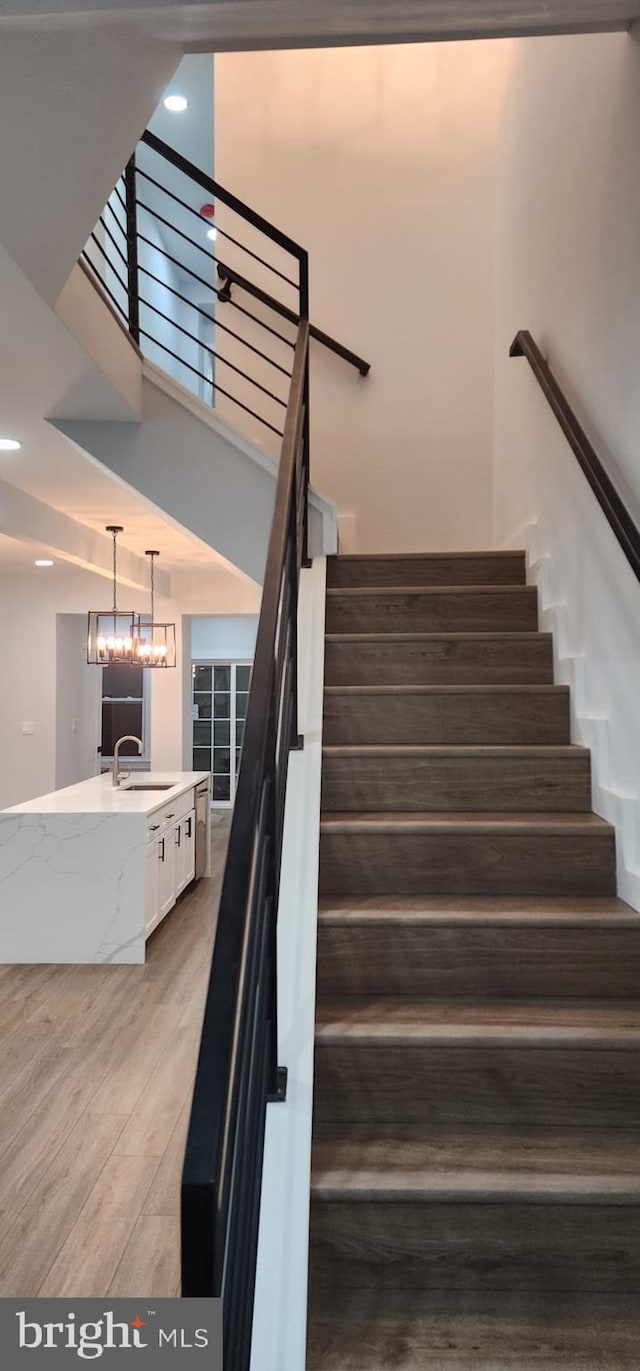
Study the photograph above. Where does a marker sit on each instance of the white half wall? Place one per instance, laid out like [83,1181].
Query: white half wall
[568,269]
[382,163]
[280,1315]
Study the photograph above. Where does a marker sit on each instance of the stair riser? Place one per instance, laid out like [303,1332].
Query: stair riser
[486,611]
[477,962]
[496,570]
[403,782]
[428,1084]
[458,1246]
[439,661]
[378,863]
[456,720]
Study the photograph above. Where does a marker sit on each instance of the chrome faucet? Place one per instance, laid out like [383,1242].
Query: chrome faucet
[115,773]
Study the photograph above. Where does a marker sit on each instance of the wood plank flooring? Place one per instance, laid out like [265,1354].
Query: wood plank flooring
[96,1071]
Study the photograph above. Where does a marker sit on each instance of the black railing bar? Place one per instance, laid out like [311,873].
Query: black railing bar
[188,271]
[256,894]
[203,1151]
[224,233]
[218,355]
[208,252]
[247,1221]
[121,226]
[111,238]
[109,262]
[217,191]
[213,320]
[103,286]
[119,196]
[608,497]
[234,278]
[213,384]
[255,949]
[248,315]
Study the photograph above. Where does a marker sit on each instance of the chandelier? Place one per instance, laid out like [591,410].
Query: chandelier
[112,633]
[155,643]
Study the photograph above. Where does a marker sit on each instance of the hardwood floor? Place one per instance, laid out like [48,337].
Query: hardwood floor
[96,1071]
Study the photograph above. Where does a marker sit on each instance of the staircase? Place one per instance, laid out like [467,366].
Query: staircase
[476,1159]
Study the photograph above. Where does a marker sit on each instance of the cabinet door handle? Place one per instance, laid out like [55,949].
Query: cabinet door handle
[172,815]
[189,821]
[178,835]
[162,849]
[154,828]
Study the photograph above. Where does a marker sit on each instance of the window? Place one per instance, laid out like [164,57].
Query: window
[220,698]
[124,709]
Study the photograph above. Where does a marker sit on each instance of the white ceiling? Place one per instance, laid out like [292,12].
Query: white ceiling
[20,557]
[230,25]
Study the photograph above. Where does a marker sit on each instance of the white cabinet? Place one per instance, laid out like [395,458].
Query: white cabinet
[170,858]
[181,877]
[167,864]
[185,840]
[189,841]
[152,886]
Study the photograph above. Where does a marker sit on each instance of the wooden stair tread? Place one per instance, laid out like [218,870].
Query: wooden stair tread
[349,592]
[472,750]
[479,909]
[482,1164]
[535,1023]
[484,1330]
[496,554]
[502,636]
[434,690]
[453,822]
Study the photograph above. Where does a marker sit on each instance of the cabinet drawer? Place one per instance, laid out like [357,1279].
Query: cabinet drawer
[183,805]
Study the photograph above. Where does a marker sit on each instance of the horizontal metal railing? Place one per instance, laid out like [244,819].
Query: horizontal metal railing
[167,281]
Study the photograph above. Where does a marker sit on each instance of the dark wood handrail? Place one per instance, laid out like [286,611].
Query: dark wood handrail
[608,497]
[231,277]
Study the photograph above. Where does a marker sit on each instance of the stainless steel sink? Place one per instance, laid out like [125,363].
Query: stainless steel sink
[150,786]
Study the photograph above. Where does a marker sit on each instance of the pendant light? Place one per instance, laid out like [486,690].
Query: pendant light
[156,643]
[112,632]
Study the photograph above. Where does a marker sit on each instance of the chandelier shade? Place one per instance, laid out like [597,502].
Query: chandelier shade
[112,633]
[155,642]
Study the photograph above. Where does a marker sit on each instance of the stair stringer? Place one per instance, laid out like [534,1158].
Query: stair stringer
[199,470]
[621,807]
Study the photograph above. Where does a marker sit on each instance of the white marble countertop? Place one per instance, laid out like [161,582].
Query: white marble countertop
[98,795]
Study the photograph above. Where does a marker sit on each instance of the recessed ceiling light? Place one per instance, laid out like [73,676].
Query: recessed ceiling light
[9,445]
[175,103]
[43,561]
[212,233]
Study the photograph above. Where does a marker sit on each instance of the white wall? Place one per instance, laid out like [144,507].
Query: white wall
[222,636]
[78,700]
[381,161]
[568,269]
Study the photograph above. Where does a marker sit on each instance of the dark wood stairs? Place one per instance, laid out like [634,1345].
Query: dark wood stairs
[475,1198]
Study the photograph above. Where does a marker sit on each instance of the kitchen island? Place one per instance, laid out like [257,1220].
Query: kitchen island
[88,872]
